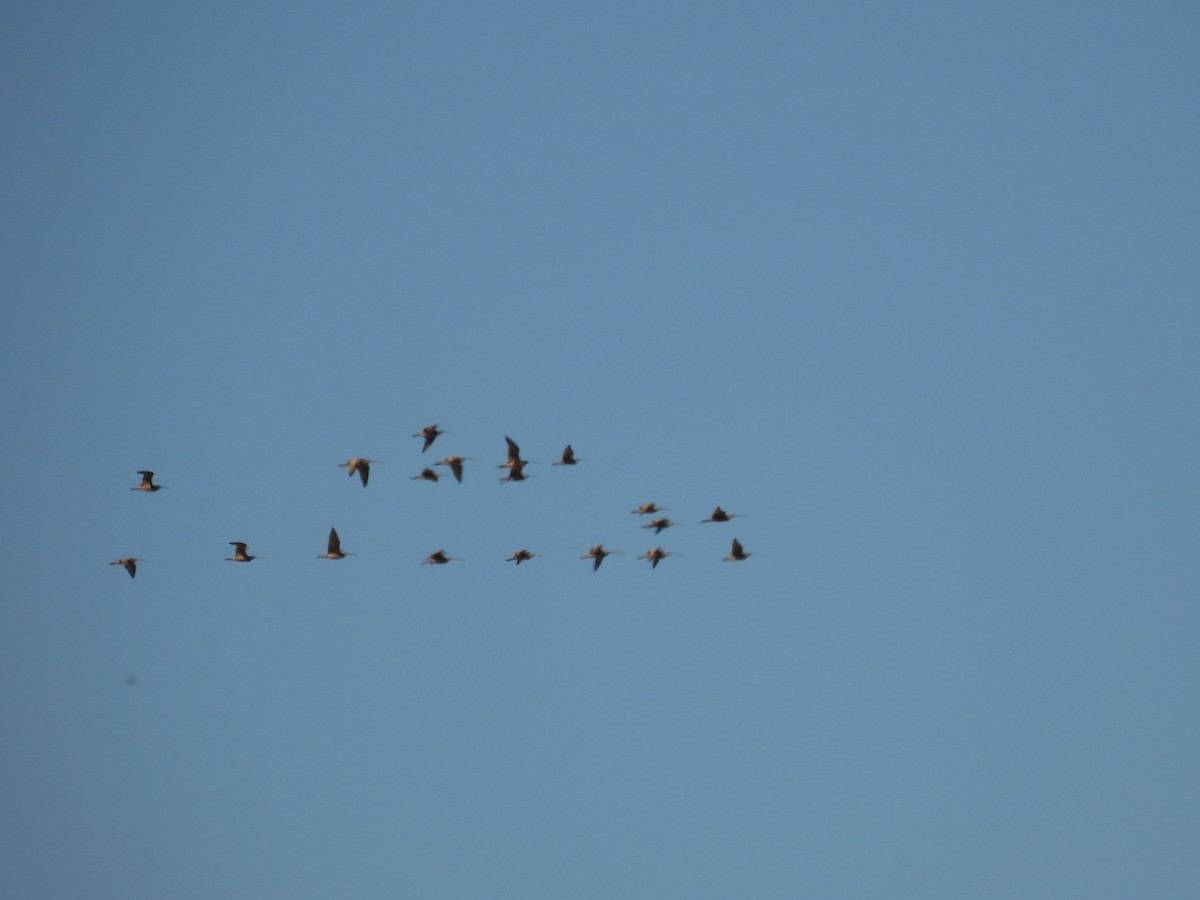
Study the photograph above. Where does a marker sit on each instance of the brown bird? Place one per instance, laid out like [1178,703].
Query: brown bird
[597,554]
[659,524]
[737,554]
[239,552]
[568,457]
[430,433]
[655,555]
[361,466]
[514,455]
[647,509]
[456,465]
[521,556]
[129,562]
[147,482]
[516,470]
[438,558]
[719,515]
[427,475]
[335,547]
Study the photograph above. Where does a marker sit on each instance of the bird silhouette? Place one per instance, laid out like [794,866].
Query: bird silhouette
[521,556]
[597,554]
[647,509]
[239,552]
[719,515]
[438,558]
[736,553]
[568,457]
[514,456]
[516,470]
[660,524]
[430,434]
[361,466]
[655,555]
[456,465]
[427,474]
[147,482]
[335,547]
[129,562]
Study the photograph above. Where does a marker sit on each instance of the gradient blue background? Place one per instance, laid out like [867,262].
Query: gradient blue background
[912,286]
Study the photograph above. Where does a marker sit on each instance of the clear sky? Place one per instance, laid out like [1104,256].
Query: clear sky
[912,287]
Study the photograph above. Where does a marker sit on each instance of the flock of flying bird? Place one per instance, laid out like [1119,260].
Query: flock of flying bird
[516,472]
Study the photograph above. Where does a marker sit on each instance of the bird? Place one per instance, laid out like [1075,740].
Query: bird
[361,466]
[597,554]
[568,457]
[430,433]
[516,470]
[438,558]
[514,456]
[659,524]
[335,547]
[521,556]
[719,515]
[647,509]
[655,555]
[147,482]
[736,553]
[427,474]
[239,552]
[129,562]
[456,465]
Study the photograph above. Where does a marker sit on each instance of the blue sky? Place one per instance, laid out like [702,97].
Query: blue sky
[912,287]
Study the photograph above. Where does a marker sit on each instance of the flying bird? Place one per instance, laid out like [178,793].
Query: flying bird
[427,474]
[514,463]
[597,554]
[659,524]
[430,434]
[129,562]
[737,554]
[647,509]
[516,470]
[335,547]
[456,465]
[655,555]
[719,515]
[147,482]
[514,455]
[361,466]
[521,556]
[438,558]
[568,457]
[239,552]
